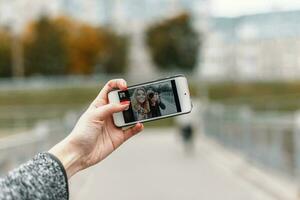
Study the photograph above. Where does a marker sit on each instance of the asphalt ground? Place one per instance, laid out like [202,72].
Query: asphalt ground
[155,165]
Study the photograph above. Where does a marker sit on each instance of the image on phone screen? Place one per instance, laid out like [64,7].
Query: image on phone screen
[150,101]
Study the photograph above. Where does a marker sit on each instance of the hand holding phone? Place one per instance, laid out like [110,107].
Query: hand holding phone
[152,100]
[95,136]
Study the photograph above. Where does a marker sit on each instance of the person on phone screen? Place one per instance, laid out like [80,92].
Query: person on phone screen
[94,137]
[155,103]
[140,105]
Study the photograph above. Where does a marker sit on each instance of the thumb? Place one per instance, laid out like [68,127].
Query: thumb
[107,110]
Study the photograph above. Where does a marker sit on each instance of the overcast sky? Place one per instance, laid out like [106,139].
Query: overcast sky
[241,7]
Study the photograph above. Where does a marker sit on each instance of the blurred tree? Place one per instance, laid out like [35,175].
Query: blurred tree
[113,57]
[82,44]
[93,49]
[174,43]
[44,49]
[63,45]
[5,54]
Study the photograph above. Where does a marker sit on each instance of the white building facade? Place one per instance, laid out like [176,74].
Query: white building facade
[254,47]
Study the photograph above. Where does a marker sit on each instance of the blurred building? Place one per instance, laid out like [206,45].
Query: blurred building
[253,47]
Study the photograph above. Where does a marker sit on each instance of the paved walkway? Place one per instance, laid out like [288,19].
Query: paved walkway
[153,166]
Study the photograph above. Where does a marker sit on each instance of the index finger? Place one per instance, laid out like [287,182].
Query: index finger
[111,85]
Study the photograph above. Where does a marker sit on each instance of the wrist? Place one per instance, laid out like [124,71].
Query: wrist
[68,156]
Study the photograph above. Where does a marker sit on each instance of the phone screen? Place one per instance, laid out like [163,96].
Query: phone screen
[150,101]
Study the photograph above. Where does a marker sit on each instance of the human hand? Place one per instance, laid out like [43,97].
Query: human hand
[157,97]
[94,136]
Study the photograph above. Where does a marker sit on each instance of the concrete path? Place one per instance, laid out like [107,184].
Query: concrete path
[153,166]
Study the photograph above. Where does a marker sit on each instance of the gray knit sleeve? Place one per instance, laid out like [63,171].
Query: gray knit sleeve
[43,177]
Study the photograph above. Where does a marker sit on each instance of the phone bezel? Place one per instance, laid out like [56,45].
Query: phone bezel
[183,96]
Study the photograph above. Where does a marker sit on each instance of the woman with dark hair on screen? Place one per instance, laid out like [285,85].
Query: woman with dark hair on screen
[140,105]
[155,103]
[94,137]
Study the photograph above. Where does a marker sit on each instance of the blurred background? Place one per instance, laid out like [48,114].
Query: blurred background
[242,60]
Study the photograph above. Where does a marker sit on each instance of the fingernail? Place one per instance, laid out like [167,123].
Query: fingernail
[125,102]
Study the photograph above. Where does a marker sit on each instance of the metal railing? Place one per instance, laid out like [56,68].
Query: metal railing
[271,139]
[17,149]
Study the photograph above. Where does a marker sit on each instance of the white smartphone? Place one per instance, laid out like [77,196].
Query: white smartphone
[152,100]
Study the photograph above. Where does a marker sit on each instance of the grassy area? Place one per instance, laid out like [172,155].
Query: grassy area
[23,108]
[57,96]
[28,106]
[260,96]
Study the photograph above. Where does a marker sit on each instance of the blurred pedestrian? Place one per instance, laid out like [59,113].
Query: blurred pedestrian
[186,132]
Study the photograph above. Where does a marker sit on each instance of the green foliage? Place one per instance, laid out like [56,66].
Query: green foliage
[49,96]
[174,43]
[45,53]
[65,46]
[114,56]
[5,54]
[282,96]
